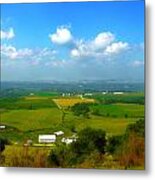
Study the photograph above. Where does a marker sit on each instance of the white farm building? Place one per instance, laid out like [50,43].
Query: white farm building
[47,138]
[118,93]
[59,133]
[68,140]
[2,127]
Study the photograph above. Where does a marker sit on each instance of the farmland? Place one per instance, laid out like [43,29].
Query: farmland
[32,115]
[29,116]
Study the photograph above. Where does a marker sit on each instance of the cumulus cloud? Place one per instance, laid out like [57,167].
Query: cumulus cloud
[32,56]
[138,63]
[61,36]
[12,53]
[103,39]
[102,45]
[7,34]
[82,49]
[116,48]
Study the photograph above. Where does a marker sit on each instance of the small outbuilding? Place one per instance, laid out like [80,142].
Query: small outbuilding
[47,138]
[68,140]
[59,133]
[2,127]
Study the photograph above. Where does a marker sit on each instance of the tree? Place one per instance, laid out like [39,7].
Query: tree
[81,109]
[90,140]
[114,143]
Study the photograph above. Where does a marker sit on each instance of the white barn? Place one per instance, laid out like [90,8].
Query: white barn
[47,138]
[118,93]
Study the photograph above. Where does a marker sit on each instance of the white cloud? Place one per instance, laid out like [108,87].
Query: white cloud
[62,36]
[82,49]
[56,63]
[103,39]
[138,63]
[75,53]
[29,56]
[116,48]
[7,34]
[12,53]
[102,45]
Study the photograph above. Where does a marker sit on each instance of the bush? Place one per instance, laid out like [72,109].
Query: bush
[138,128]
[131,152]
[113,143]
[61,157]
[89,140]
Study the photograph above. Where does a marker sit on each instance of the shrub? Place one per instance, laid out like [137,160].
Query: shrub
[113,143]
[131,153]
[89,140]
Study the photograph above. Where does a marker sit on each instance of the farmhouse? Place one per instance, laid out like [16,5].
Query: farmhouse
[59,133]
[47,138]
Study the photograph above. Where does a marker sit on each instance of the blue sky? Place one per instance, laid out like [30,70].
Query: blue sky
[72,41]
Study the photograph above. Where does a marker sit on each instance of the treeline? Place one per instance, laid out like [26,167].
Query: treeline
[111,99]
[13,93]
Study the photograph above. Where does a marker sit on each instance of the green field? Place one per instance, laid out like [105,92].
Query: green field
[26,118]
[120,110]
[29,102]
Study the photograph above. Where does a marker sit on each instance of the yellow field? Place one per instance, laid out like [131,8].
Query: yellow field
[64,102]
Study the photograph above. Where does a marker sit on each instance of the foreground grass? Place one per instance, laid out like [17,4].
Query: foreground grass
[19,156]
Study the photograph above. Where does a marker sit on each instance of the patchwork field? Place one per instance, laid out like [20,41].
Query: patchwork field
[28,117]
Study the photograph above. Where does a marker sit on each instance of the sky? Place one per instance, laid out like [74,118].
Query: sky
[72,41]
